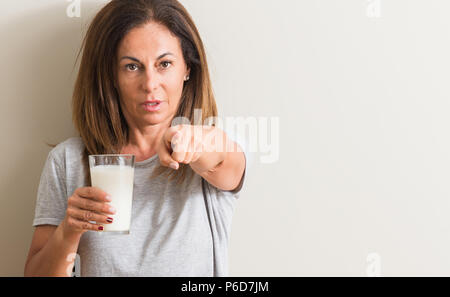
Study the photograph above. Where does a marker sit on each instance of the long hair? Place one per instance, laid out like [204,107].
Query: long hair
[97,114]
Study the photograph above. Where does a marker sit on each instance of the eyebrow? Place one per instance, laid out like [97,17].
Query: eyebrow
[137,60]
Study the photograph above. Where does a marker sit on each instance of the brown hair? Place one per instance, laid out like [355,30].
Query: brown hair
[97,114]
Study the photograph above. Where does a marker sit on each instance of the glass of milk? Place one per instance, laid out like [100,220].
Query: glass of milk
[114,174]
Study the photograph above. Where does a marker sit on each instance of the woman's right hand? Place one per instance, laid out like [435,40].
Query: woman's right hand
[87,204]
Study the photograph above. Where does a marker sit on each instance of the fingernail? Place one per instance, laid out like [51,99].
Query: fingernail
[108,198]
[100,228]
[109,220]
[174,165]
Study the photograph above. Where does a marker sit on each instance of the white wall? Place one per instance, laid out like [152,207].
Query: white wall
[362,103]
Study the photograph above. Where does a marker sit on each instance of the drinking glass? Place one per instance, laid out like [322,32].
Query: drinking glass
[114,174]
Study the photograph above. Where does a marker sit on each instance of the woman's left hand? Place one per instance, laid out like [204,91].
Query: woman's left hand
[203,147]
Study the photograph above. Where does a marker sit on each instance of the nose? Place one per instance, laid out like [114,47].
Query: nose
[150,81]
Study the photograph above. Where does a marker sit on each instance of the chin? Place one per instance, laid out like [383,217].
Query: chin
[156,119]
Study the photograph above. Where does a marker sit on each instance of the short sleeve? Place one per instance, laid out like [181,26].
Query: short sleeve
[51,200]
[220,208]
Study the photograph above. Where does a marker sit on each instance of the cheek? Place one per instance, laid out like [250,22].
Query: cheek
[175,89]
[127,91]
[126,85]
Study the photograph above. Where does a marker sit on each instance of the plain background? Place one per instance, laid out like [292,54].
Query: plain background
[362,99]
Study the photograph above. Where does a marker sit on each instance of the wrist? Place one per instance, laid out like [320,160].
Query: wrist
[209,162]
[68,235]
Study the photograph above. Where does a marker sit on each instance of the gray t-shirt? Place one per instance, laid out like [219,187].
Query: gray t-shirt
[176,230]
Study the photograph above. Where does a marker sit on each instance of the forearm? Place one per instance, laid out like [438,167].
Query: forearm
[208,162]
[56,258]
[226,174]
[222,161]
[213,157]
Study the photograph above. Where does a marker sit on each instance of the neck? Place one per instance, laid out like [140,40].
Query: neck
[143,141]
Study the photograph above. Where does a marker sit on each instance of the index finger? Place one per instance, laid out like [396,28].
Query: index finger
[93,193]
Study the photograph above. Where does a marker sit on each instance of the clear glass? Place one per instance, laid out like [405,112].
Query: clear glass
[114,174]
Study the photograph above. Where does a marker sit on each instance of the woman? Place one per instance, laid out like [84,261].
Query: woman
[143,66]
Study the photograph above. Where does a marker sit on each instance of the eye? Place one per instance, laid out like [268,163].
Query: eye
[131,67]
[165,64]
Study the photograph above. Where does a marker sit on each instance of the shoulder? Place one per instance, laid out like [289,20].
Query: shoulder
[70,149]
[70,145]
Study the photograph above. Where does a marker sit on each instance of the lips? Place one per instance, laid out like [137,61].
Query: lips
[152,101]
[152,105]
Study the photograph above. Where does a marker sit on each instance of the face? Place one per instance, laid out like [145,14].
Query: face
[151,67]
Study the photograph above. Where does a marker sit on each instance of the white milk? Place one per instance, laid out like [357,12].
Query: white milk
[117,181]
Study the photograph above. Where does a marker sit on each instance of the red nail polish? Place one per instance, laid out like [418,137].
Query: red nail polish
[109,220]
[100,228]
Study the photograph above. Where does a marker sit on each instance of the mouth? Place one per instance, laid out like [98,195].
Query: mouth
[152,105]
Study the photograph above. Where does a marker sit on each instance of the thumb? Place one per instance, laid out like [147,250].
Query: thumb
[165,157]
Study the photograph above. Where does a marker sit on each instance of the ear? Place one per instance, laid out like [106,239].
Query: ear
[188,73]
